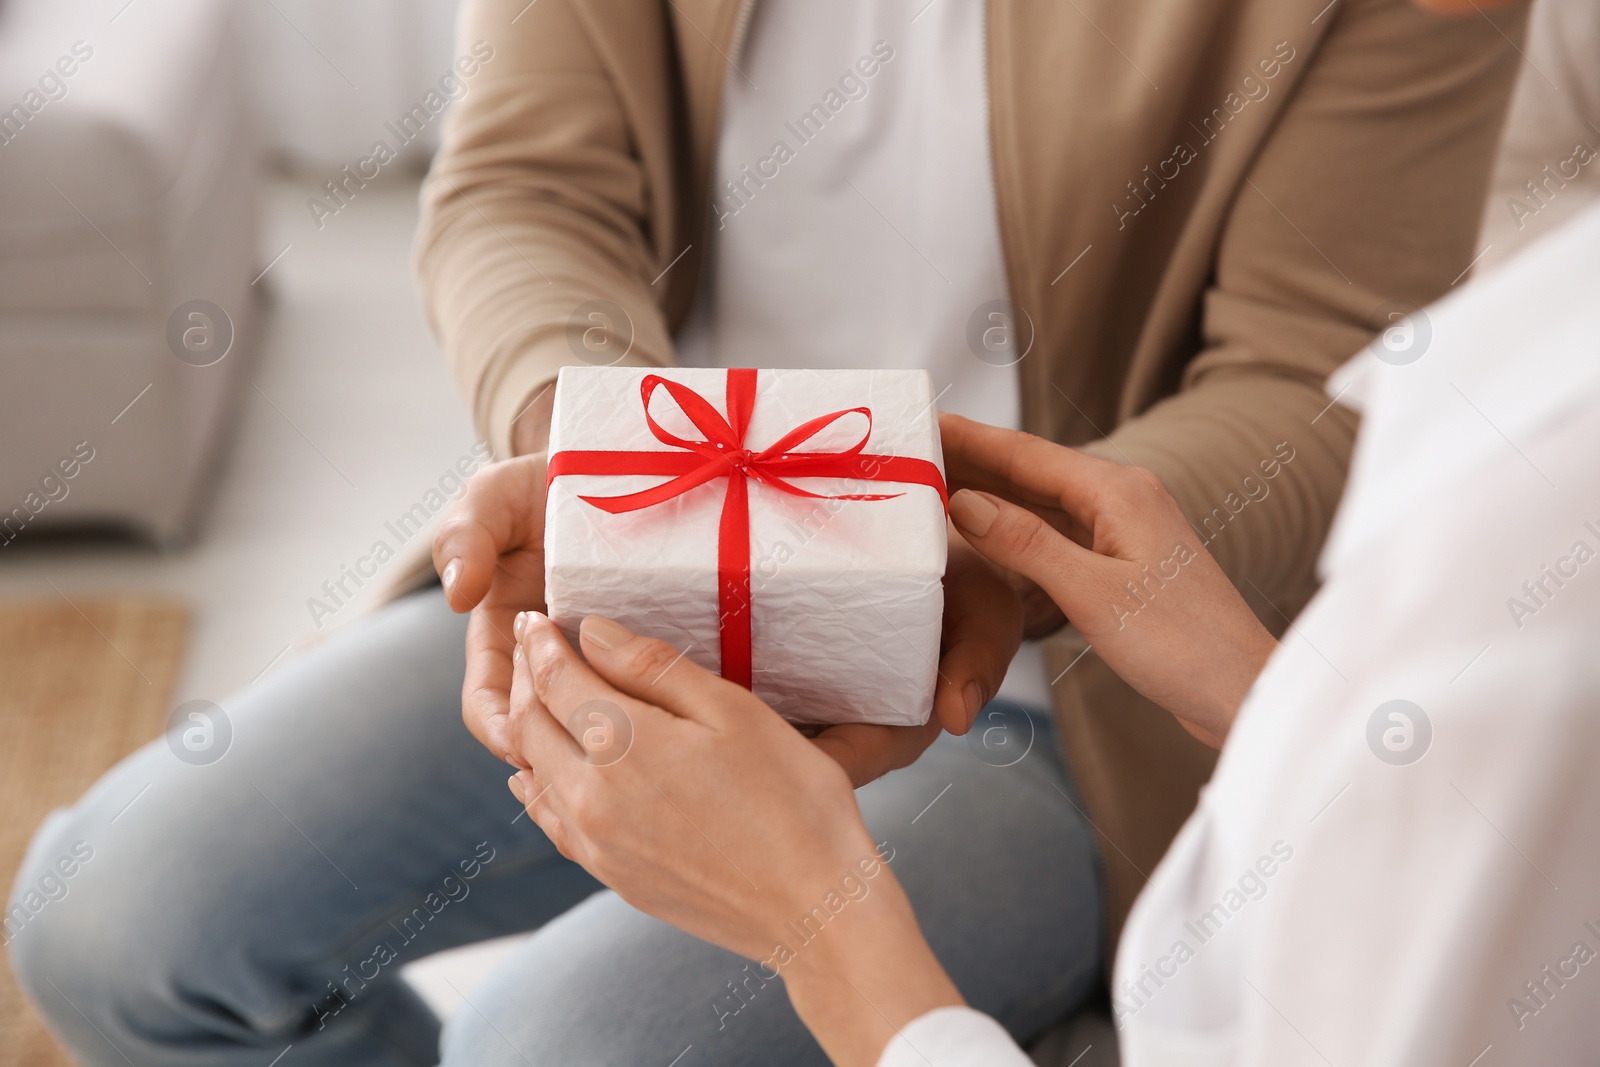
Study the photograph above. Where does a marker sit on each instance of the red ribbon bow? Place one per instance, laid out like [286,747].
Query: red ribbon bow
[723,455]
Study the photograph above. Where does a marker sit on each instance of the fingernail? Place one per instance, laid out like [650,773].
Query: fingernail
[516,761]
[599,630]
[516,653]
[973,513]
[520,624]
[972,697]
[514,783]
[452,571]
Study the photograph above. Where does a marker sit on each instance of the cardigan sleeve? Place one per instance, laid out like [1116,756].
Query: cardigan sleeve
[1360,208]
[539,243]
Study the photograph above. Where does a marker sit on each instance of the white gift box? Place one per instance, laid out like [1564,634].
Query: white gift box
[845,596]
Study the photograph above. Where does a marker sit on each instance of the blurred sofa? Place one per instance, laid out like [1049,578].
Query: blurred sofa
[128,244]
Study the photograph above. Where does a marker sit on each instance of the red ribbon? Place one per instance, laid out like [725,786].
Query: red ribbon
[723,455]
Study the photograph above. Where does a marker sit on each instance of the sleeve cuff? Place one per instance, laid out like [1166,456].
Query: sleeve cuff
[517,387]
[953,1037]
[511,396]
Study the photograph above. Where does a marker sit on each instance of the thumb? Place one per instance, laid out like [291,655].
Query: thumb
[655,672]
[1020,541]
[503,509]
[982,628]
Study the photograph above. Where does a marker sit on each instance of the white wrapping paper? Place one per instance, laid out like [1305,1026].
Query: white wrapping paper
[846,596]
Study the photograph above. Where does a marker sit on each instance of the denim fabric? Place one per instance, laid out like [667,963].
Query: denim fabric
[262,905]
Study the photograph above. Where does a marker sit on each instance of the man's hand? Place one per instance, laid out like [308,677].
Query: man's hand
[1135,580]
[982,629]
[490,554]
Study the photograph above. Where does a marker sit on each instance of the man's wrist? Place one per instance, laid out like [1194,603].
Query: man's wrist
[530,429]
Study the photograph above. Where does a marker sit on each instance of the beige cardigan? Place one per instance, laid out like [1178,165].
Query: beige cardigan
[1205,206]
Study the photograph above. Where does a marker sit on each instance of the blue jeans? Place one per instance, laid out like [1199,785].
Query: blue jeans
[263,904]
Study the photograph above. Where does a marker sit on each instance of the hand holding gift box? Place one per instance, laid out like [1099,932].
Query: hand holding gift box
[785,527]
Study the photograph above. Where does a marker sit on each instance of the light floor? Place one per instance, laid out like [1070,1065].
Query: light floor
[361,393]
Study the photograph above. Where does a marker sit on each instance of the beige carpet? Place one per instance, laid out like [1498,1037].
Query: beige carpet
[82,683]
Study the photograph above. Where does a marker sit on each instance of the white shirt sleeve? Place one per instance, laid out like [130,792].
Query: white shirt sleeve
[953,1037]
[1394,864]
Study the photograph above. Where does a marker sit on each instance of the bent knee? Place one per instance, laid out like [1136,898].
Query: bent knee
[46,947]
[90,913]
[111,935]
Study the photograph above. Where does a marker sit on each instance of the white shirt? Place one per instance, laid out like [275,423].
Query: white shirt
[854,222]
[1362,883]
[862,233]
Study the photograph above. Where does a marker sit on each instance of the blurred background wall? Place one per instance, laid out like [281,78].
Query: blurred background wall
[377,58]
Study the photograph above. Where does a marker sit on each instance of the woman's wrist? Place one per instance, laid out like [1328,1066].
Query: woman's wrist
[1231,683]
[867,975]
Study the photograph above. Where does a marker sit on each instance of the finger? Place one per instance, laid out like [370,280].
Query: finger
[656,673]
[1036,467]
[491,635]
[486,686]
[564,684]
[1018,540]
[538,800]
[963,471]
[982,631]
[541,742]
[534,792]
[868,752]
[502,509]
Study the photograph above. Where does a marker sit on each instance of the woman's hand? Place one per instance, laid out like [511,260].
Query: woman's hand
[1134,579]
[699,805]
